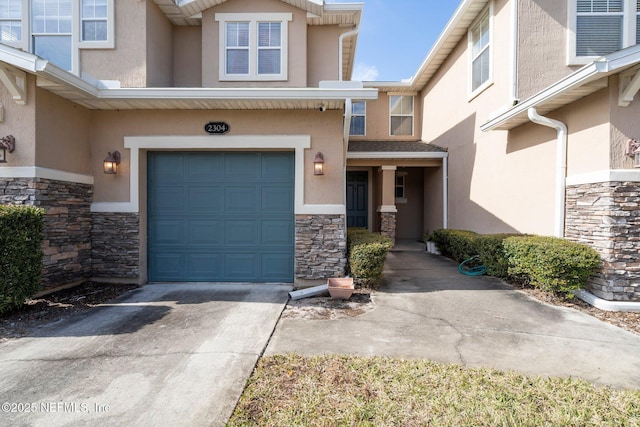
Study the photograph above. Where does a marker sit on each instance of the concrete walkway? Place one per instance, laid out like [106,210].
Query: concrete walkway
[166,355]
[427,309]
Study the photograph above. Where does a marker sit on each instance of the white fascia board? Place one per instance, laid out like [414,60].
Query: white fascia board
[396,155]
[341,7]
[610,64]
[582,76]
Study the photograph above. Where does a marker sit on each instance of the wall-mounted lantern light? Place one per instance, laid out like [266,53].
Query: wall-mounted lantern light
[111,163]
[318,164]
[633,150]
[8,143]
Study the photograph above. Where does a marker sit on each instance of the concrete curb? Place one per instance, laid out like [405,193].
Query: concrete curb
[626,306]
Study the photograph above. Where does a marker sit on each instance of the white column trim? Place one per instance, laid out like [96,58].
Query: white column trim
[613,175]
[296,143]
[388,209]
[45,173]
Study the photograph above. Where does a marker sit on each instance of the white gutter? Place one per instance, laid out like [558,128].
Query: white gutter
[561,165]
[514,51]
[353,32]
[445,192]
[345,142]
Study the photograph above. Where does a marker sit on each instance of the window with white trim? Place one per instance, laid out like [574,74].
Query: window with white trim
[600,27]
[400,193]
[358,119]
[253,46]
[10,20]
[51,31]
[401,115]
[56,29]
[480,48]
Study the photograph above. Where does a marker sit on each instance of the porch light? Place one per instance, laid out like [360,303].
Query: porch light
[318,164]
[8,143]
[111,163]
[633,150]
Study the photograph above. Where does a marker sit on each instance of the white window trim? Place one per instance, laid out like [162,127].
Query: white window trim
[628,34]
[403,175]
[109,43]
[412,115]
[360,115]
[253,19]
[488,11]
[25,43]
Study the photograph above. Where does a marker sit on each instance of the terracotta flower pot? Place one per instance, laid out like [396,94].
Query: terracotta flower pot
[340,288]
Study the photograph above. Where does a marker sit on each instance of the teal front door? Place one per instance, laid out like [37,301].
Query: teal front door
[223,217]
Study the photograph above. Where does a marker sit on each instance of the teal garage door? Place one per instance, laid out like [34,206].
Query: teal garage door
[223,217]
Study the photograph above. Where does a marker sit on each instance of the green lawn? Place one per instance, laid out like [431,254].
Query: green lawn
[335,390]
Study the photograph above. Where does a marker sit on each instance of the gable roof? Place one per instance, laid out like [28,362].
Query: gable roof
[453,32]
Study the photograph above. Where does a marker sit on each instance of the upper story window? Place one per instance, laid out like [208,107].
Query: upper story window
[358,119]
[401,115]
[10,20]
[56,29]
[480,48]
[253,46]
[600,27]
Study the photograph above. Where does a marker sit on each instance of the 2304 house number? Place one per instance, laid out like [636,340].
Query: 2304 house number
[216,128]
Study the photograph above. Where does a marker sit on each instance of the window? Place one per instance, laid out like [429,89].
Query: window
[401,112]
[253,46]
[600,27]
[94,20]
[480,48]
[10,20]
[401,187]
[358,119]
[51,28]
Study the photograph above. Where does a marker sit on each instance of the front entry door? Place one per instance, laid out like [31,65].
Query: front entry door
[357,200]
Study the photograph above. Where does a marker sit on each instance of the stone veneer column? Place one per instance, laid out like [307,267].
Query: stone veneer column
[115,250]
[388,225]
[321,246]
[67,224]
[606,216]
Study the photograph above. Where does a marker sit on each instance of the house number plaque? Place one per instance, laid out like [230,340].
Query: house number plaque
[216,128]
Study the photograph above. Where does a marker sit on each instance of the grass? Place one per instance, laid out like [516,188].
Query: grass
[339,390]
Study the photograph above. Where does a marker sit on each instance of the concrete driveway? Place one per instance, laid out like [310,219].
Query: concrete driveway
[165,355]
[427,309]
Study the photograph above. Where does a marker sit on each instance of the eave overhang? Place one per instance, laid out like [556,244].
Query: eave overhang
[94,96]
[583,82]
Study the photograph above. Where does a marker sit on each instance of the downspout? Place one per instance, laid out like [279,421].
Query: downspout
[345,142]
[561,165]
[445,192]
[514,52]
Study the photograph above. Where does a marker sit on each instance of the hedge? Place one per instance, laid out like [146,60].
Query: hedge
[366,253]
[20,254]
[550,263]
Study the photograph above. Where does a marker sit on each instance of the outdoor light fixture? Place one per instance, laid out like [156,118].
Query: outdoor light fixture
[318,164]
[633,150]
[8,143]
[111,163]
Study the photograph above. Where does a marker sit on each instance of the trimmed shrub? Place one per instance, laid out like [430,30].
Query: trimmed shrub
[456,244]
[490,248]
[550,263]
[20,254]
[366,253]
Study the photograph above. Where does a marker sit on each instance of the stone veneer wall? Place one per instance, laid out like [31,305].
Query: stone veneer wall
[388,225]
[67,224]
[321,246]
[606,216]
[116,245]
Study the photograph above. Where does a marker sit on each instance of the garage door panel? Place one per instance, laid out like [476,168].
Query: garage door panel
[276,167]
[204,169]
[205,232]
[167,232]
[277,233]
[276,199]
[243,266]
[205,266]
[206,199]
[223,217]
[168,198]
[241,232]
